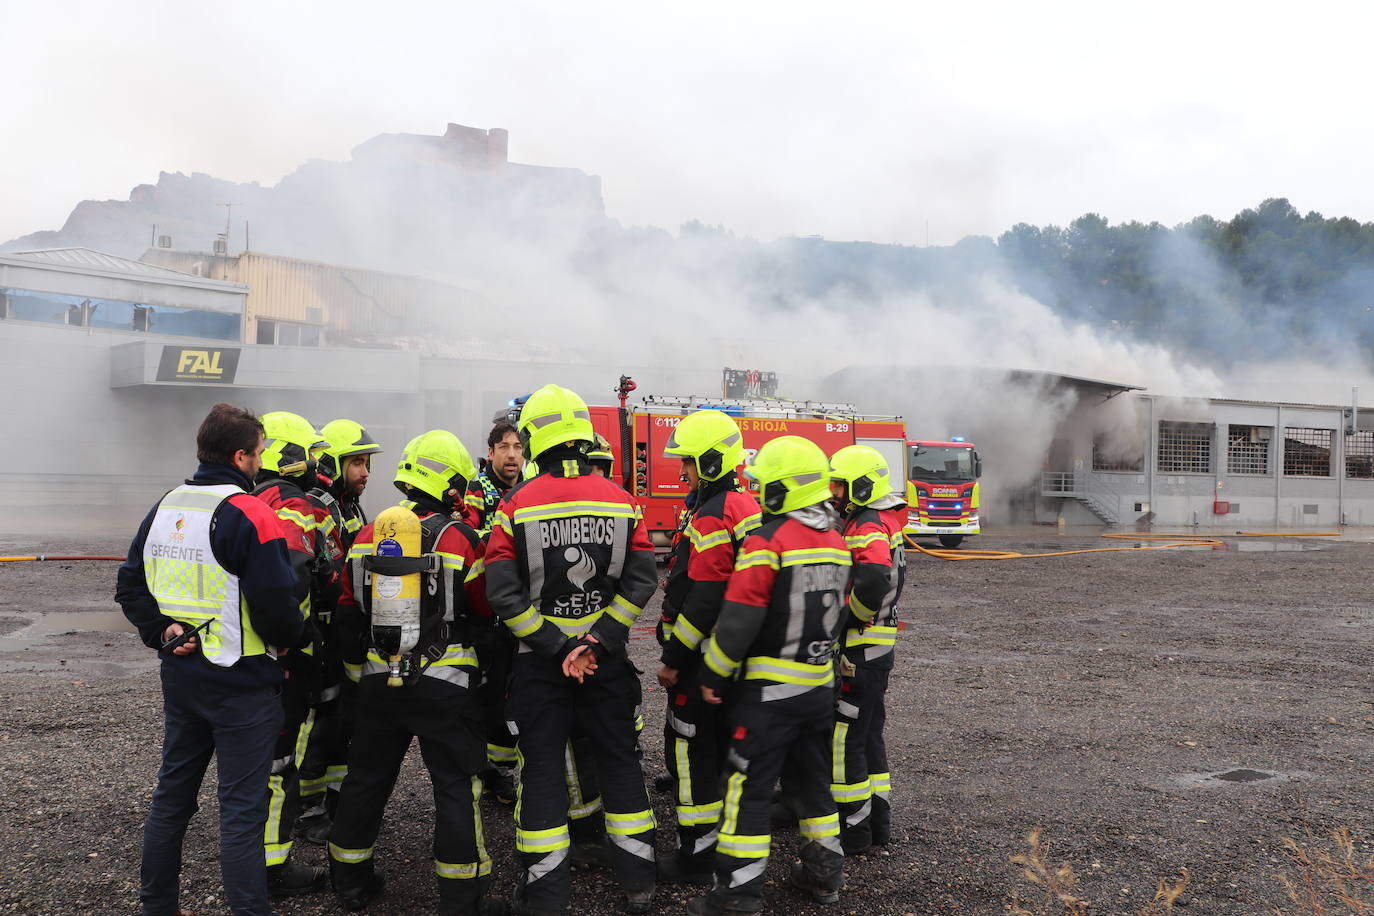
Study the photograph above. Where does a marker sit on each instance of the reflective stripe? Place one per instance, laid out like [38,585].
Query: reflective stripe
[747,524]
[351,856]
[813,828]
[575,627]
[634,846]
[704,542]
[816,555]
[477,570]
[717,660]
[851,792]
[463,870]
[500,753]
[734,787]
[860,541]
[623,611]
[541,840]
[859,610]
[740,846]
[782,671]
[762,557]
[881,783]
[682,757]
[699,815]
[452,561]
[871,636]
[858,817]
[629,824]
[353,672]
[548,511]
[685,729]
[688,634]
[837,740]
[303,522]
[525,623]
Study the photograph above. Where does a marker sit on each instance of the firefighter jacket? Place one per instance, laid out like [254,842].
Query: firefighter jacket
[703,559]
[483,495]
[783,605]
[569,557]
[874,537]
[245,549]
[452,596]
[312,538]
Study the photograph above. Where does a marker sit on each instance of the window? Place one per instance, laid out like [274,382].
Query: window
[117,315]
[1359,454]
[1185,448]
[1115,455]
[287,334]
[1307,452]
[1247,449]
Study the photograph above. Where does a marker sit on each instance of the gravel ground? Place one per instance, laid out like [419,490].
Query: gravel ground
[1096,696]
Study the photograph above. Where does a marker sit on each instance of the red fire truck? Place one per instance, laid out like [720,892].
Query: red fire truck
[942,489]
[642,430]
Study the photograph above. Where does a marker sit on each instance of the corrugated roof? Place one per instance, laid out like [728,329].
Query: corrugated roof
[89,259]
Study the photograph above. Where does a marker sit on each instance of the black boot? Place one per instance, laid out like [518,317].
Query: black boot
[292,878]
[356,898]
[820,873]
[672,869]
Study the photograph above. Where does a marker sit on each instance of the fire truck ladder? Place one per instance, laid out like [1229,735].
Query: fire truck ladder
[818,410]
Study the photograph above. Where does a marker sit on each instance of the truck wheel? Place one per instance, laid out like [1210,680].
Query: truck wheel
[951,541]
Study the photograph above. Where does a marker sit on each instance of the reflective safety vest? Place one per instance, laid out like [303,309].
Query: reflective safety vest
[189,584]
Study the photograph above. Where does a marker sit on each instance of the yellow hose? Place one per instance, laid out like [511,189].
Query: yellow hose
[1171,541]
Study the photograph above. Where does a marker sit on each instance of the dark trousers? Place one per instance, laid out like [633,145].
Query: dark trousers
[694,742]
[447,721]
[859,778]
[495,648]
[548,708]
[284,781]
[324,759]
[766,736]
[238,727]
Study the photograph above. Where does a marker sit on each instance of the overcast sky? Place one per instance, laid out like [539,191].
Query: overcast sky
[851,120]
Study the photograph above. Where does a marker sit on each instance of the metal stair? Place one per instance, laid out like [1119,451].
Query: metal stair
[1103,514]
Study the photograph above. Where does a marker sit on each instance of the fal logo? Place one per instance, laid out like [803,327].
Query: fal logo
[215,365]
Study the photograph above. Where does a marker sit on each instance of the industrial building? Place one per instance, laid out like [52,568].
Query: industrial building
[1210,462]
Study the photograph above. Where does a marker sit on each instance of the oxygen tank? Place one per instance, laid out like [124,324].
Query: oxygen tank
[396,599]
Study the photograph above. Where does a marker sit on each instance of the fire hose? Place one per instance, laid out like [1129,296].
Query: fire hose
[43,557]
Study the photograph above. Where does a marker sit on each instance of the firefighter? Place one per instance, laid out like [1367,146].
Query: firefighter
[434,697]
[505,460]
[773,646]
[569,568]
[343,471]
[218,685]
[600,456]
[722,514]
[875,516]
[495,646]
[288,474]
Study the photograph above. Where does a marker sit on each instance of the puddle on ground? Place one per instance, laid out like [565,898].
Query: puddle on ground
[1236,776]
[1246,546]
[40,626]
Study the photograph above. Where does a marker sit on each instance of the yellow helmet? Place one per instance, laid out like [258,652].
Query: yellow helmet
[551,416]
[437,464]
[792,473]
[864,471]
[346,439]
[290,443]
[712,439]
[601,452]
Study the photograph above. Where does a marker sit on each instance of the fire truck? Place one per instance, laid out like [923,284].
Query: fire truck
[942,489]
[642,430]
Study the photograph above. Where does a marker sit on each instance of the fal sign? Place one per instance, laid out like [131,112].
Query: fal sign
[215,365]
